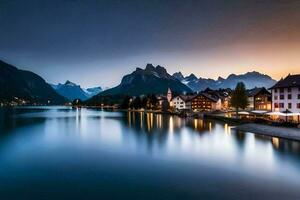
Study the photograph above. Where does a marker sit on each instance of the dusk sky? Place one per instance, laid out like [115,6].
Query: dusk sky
[97,42]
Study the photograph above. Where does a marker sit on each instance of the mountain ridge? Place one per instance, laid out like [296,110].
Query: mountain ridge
[71,91]
[23,85]
[251,79]
[150,80]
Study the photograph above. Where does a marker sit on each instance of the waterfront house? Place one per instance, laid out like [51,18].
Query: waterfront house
[259,99]
[223,94]
[205,102]
[182,102]
[286,94]
[160,100]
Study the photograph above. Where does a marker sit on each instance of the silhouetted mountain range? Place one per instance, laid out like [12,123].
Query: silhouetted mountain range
[24,85]
[21,84]
[251,80]
[151,80]
[73,91]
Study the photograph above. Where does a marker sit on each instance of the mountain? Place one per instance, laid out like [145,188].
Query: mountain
[70,91]
[90,92]
[19,85]
[151,80]
[73,91]
[178,75]
[251,80]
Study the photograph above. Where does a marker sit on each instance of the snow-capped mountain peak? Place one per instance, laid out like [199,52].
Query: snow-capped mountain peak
[73,91]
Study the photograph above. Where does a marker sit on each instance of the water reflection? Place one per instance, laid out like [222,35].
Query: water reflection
[9,121]
[157,123]
[149,144]
[275,142]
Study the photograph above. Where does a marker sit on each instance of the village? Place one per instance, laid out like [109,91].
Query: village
[280,103]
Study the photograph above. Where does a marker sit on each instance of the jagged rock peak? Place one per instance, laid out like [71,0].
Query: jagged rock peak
[192,76]
[161,70]
[69,83]
[220,78]
[150,67]
[178,75]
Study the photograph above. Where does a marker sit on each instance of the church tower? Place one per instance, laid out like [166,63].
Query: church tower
[169,95]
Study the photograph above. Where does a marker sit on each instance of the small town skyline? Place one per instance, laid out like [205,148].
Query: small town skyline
[118,77]
[149,99]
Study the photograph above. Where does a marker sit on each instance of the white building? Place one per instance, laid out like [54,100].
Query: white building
[286,94]
[181,102]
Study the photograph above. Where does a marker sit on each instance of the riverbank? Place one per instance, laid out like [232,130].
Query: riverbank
[246,125]
[281,132]
[229,120]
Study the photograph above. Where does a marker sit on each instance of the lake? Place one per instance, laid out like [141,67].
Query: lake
[64,153]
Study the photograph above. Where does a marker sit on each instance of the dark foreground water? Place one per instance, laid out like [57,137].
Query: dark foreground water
[62,153]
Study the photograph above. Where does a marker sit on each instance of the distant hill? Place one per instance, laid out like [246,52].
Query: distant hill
[151,80]
[26,85]
[90,92]
[73,91]
[251,80]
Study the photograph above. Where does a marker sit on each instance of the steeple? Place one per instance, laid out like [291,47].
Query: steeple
[169,95]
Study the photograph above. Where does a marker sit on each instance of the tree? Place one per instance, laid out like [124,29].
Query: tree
[137,103]
[144,102]
[125,103]
[239,97]
[153,101]
[165,105]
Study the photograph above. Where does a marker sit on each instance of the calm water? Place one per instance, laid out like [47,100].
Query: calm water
[62,153]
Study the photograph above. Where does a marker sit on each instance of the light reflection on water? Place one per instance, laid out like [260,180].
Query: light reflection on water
[205,153]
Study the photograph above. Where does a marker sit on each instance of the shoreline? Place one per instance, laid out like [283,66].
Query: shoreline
[273,131]
[291,133]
